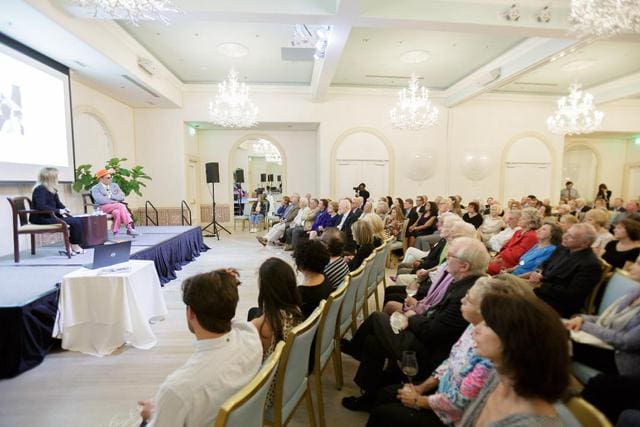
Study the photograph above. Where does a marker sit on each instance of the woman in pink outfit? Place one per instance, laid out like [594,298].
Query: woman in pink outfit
[110,197]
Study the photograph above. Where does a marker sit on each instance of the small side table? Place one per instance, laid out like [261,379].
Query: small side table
[94,230]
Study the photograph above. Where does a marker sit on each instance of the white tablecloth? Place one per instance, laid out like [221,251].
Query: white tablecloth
[97,312]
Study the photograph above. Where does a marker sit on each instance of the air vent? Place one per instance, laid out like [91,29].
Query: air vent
[536,84]
[149,91]
[375,76]
[297,53]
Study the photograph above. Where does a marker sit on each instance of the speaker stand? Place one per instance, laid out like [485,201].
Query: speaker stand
[213,224]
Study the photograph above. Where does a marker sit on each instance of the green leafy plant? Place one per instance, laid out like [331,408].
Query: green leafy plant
[129,180]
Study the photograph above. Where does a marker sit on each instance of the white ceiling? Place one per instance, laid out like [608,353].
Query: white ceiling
[468,42]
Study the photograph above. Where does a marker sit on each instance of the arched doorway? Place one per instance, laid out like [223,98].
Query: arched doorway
[93,142]
[527,168]
[581,165]
[362,155]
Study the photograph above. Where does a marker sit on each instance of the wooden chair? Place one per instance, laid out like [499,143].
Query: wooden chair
[246,407]
[345,318]
[400,242]
[592,300]
[292,383]
[21,209]
[586,414]
[325,343]
[361,293]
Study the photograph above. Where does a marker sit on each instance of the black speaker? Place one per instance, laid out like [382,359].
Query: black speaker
[263,177]
[279,178]
[270,177]
[213,173]
[238,176]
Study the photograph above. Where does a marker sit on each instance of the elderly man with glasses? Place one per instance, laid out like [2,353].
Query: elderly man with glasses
[108,195]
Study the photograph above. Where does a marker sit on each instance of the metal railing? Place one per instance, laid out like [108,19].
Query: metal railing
[146,213]
[184,205]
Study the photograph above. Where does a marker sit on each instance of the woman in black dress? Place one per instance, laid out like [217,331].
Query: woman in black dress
[625,248]
[604,193]
[425,225]
[45,197]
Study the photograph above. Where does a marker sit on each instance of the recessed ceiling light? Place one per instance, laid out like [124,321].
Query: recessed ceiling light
[578,65]
[414,56]
[233,50]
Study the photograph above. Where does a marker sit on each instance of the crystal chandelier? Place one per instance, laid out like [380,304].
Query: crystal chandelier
[232,107]
[315,36]
[576,114]
[414,110]
[133,11]
[603,18]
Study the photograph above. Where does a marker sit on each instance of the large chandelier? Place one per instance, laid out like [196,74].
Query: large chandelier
[576,114]
[312,36]
[232,107]
[605,17]
[414,110]
[133,11]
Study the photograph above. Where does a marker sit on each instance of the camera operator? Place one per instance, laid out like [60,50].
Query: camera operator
[361,191]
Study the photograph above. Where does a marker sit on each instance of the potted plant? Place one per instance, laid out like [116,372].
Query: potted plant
[129,180]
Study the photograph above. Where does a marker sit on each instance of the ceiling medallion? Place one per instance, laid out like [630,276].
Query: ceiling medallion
[604,18]
[232,107]
[133,11]
[414,110]
[576,114]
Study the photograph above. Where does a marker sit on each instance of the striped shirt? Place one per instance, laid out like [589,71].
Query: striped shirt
[335,271]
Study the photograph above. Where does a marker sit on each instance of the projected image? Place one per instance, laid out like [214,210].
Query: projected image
[11,110]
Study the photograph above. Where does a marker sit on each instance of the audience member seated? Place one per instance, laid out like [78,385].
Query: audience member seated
[363,236]
[566,221]
[45,197]
[630,212]
[413,256]
[279,307]
[445,395]
[367,208]
[337,268]
[311,257]
[430,335]
[581,209]
[599,219]
[258,211]
[297,223]
[549,237]
[492,223]
[616,396]
[528,380]
[617,205]
[227,356]
[353,214]
[382,208]
[377,228]
[414,212]
[278,230]
[546,214]
[570,274]
[284,204]
[521,241]
[293,234]
[511,219]
[110,197]
[473,215]
[618,326]
[625,248]
[425,224]
[393,222]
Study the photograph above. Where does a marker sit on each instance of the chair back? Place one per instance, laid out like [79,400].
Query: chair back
[619,285]
[87,200]
[403,230]
[592,300]
[327,327]
[19,203]
[246,407]
[377,263]
[586,414]
[247,210]
[367,275]
[351,281]
[291,380]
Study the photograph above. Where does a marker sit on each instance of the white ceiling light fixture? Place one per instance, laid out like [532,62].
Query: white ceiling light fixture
[415,56]
[414,110]
[603,18]
[233,50]
[576,114]
[232,107]
[315,36]
[133,11]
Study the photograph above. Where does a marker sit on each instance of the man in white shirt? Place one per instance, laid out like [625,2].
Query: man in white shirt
[496,242]
[227,356]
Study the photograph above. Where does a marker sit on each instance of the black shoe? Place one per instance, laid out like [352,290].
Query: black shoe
[346,347]
[357,403]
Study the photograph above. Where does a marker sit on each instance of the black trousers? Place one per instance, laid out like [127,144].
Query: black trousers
[389,412]
[75,226]
[598,358]
[375,342]
[613,394]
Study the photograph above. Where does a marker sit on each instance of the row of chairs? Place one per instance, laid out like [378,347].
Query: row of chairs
[288,365]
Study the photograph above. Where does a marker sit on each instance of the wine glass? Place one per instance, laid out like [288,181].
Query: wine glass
[412,289]
[409,364]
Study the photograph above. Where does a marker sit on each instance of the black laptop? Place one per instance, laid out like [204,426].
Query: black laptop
[110,254]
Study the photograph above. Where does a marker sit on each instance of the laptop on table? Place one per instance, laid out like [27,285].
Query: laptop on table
[110,254]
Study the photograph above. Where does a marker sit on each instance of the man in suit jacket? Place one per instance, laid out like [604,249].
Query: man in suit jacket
[571,273]
[415,212]
[431,335]
[110,197]
[277,231]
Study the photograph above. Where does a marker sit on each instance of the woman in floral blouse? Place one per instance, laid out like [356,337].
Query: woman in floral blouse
[457,380]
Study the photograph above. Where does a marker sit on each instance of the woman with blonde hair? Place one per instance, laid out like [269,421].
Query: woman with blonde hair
[521,241]
[492,223]
[393,222]
[364,238]
[45,198]
[599,218]
[377,228]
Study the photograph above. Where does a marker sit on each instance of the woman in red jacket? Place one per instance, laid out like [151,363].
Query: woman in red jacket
[521,241]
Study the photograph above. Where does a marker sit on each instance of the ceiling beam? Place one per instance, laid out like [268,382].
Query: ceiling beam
[525,57]
[624,87]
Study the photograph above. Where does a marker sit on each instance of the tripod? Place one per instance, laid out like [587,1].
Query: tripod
[213,222]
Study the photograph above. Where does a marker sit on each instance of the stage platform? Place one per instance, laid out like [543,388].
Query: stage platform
[29,295]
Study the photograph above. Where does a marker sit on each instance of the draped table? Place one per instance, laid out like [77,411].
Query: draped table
[100,310]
